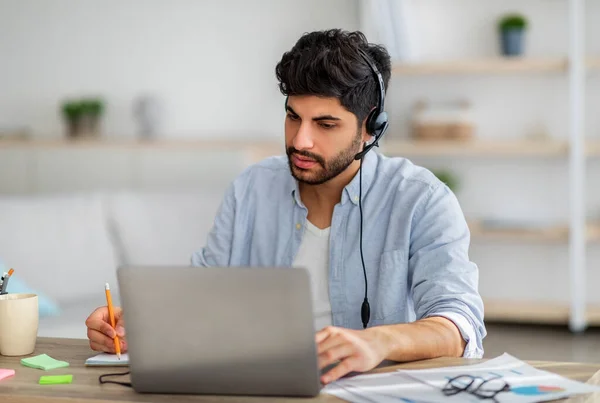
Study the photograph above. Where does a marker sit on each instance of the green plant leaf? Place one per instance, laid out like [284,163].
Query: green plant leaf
[71,109]
[92,106]
[512,21]
[448,177]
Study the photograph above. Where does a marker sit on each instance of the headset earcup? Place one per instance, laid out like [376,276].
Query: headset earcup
[381,121]
[370,123]
[376,123]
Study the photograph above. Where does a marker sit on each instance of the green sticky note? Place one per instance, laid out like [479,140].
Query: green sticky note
[44,362]
[55,379]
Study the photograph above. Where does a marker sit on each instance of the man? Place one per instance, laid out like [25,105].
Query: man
[335,212]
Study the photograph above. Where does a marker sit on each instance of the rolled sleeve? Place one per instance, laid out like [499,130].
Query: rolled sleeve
[467,332]
[444,282]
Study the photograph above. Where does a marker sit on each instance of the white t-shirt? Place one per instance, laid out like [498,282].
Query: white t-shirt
[313,255]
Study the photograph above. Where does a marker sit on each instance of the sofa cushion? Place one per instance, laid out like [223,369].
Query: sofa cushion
[153,228]
[58,244]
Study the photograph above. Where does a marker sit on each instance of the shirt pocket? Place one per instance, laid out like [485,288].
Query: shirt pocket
[391,285]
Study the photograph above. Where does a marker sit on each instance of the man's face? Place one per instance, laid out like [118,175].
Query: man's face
[321,138]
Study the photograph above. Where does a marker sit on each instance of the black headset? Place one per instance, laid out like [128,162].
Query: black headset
[376,125]
[377,121]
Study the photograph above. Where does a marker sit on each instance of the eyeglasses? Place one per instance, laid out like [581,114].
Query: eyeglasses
[477,386]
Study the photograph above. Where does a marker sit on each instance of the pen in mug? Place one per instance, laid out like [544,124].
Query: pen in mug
[5,281]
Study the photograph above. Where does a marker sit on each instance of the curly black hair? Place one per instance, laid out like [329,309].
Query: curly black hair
[328,64]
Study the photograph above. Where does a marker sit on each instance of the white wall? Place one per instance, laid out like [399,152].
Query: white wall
[212,62]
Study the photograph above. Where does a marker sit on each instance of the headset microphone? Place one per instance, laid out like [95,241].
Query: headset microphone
[375,142]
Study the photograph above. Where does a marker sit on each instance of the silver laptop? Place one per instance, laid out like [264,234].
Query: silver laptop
[234,331]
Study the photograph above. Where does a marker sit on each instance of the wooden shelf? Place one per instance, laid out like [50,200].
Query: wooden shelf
[593,63]
[253,151]
[593,232]
[534,312]
[139,143]
[550,234]
[592,148]
[405,148]
[525,147]
[497,65]
[483,66]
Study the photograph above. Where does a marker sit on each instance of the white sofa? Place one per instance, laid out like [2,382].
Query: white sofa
[67,247]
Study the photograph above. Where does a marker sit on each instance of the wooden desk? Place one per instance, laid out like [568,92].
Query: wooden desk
[24,387]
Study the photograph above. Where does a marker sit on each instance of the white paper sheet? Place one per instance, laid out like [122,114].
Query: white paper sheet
[526,383]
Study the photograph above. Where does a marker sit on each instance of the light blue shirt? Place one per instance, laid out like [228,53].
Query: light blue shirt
[415,243]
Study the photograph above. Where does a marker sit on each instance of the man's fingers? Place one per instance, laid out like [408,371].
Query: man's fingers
[120,329]
[331,342]
[335,354]
[120,322]
[321,335]
[101,347]
[100,313]
[100,338]
[325,333]
[344,368]
[101,327]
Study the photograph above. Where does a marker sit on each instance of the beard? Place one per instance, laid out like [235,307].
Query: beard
[325,170]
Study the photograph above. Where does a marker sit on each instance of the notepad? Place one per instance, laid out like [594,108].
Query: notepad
[44,362]
[107,360]
[56,379]
[5,373]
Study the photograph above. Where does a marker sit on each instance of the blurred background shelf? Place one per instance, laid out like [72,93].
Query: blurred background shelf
[593,63]
[517,147]
[593,232]
[266,147]
[166,143]
[557,233]
[593,148]
[549,234]
[253,150]
[483,66]
[491,66]
[548,313]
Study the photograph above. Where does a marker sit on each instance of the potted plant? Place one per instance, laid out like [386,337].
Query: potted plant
[71,111]
[512,29]
[82,116]
[91,111]
[448,177]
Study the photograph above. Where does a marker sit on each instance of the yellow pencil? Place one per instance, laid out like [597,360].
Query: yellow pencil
[111,315]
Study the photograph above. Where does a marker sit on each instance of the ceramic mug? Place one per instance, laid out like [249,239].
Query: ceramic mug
[19,319]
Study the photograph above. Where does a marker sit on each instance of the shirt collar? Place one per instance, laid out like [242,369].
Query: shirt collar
[351,191]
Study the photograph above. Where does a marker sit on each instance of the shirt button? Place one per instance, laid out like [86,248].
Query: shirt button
[355,198]
[298,226]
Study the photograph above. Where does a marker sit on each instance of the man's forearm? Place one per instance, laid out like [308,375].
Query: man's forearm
[427,338]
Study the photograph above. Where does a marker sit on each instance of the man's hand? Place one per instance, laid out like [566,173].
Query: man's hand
[357,350]
[101,333]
